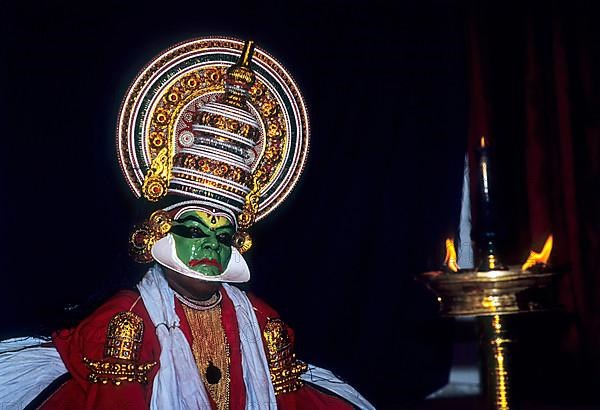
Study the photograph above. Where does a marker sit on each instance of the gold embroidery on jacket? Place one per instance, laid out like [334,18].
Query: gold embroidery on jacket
[121,352]
[117,373]
[124,337]
[284,367]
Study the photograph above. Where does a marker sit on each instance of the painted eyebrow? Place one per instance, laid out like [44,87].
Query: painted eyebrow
[193,219]
[200,221]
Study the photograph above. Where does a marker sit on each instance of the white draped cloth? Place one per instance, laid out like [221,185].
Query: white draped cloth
[26,368]
[178,371]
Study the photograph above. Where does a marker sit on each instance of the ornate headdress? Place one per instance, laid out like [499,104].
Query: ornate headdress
[214,123]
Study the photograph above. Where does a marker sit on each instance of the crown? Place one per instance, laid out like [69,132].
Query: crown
[216,121]
[214,162]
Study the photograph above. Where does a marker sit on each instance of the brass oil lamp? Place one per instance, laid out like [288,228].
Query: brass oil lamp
[491,292]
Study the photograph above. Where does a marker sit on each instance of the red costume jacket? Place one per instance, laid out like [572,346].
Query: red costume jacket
[89,339]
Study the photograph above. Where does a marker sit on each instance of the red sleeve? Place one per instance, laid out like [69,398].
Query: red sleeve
[264,312]
[262,309]
[88,340]
[306,397]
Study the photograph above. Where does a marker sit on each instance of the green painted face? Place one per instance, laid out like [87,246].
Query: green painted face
[203,241]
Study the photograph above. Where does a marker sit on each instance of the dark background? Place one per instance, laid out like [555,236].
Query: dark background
[387,88]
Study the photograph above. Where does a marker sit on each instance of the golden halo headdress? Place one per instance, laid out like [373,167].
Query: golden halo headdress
[216,121]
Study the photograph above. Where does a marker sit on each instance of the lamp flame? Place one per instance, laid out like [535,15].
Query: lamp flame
[450,259]
[541,257]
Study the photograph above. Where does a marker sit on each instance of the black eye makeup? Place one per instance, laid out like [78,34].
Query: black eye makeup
[225,238]
[190,232]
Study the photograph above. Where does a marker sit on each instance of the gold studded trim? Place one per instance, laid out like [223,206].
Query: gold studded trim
[209,183]
[213,167]
[229,124]
[285,369]
[116,373]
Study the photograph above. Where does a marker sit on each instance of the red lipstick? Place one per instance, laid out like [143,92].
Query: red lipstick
[205,261]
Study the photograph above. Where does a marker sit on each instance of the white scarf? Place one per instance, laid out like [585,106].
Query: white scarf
[177,384]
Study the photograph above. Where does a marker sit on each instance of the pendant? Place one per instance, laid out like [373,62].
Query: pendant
[212,374]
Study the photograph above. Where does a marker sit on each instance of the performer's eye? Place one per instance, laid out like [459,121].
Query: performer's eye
[197,232]
[190,232]
[225,238]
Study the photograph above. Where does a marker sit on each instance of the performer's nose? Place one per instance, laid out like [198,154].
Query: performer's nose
[211,243]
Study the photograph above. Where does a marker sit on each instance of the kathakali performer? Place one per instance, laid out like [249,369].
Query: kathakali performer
[214,133]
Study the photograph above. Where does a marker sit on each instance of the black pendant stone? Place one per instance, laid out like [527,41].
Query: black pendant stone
[213,373]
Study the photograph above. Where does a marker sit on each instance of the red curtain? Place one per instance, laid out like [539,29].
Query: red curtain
[534,76]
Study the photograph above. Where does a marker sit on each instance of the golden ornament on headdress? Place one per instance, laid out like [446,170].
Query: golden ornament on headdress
[248,216]
[242,241]
[157,179]
[144,236]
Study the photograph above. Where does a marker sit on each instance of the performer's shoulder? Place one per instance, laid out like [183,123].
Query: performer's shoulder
[119,330]
[121,304]
[262,308]
[268,318]
[123,300]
